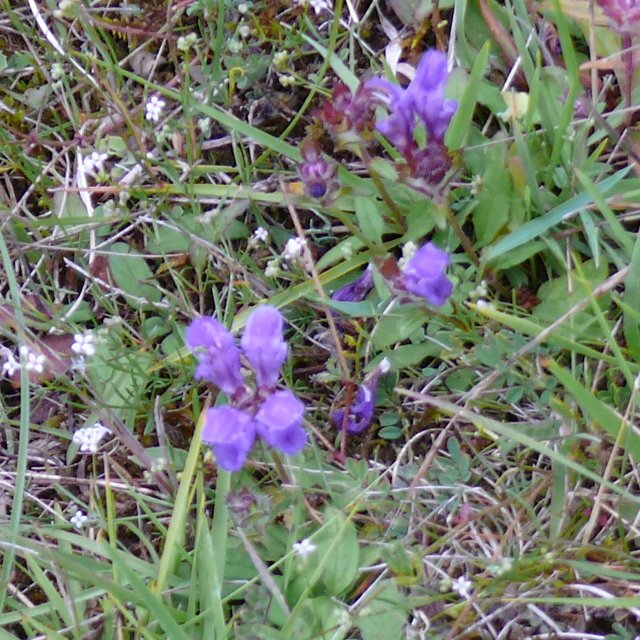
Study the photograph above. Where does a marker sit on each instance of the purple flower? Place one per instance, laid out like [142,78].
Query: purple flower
[624,15]
[279,422]
[424,98]
[362,410]
[263,345]
[232,433]
[217,353]
[318,175]
[424,274]
[357,290]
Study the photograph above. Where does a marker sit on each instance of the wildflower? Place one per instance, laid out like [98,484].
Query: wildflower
[280,59]
[243,8]
[260,236]
[10,364]
[154,108]
[88,438]
[624,15]
[244,31]
[279,422]
[357,290]
[317,5]
[286,79]
[272,269]
[32,361]
[217,353]
[57,71]
[304,549]
[317,174]
[424,99]
[361,412]
[294,249]
[348,116]
[275,416]
[462,587]
[185,43]
[94,162]
[263,345]
[232,433]
[84,344]
[78,519]
[424,274]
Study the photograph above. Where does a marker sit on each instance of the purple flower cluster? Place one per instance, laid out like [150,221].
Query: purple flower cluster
[424,276]
[624,15]
[318,174]
[422,101]
[275,416]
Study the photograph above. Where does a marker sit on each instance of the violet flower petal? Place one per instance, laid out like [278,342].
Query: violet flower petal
[232,433]
[279,422]
[425,276]
[217,353]
[357,290]
[263,344]
[361,411]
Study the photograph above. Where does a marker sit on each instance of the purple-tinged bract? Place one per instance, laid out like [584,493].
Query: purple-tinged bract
[425,276]
[232,433]
[279,422]
[217,353]
[263,344]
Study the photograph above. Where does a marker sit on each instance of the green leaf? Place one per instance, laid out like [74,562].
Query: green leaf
[133,275]
[535,228]
[385,616]
[369,218]
[461,123]
[398,325]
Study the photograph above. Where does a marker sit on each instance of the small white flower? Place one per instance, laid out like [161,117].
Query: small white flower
[243,8]
[84,344]
[286,80]
[273,268]
[154,108]
[304,549]
[186,42]
[32,361]
[10,365]
[244,31]
[260,236]
[280,58]
[57,71]
[462,587]
[88,438]
[317,5]
[384,365]
[294,249]
[94,162]
[78,519]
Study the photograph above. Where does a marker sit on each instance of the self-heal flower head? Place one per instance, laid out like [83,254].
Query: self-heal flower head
[263,344]
[279,422]
[317,173]
[624,15]
[217,353]
[424,275]
[423,100]
[232,433]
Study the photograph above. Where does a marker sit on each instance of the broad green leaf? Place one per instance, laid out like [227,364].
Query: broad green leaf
[133,275]
[398,324]
[338,542]
[369,218]
[385,616]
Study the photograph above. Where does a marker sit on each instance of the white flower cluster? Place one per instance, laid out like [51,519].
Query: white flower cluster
[32,360]
[260,236]
[153,109]
[94,162]
[294,250]
[88,438]
[84,344]
[78,519]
